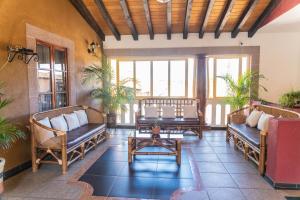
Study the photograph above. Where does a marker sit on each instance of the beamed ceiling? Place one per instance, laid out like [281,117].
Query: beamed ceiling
[137,17]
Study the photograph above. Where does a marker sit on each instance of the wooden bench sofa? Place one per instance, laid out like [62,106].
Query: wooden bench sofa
[65,147]
[251,141]
[178,123]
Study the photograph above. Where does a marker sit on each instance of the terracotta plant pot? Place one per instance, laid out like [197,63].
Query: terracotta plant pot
[2,163]
[156,130]
[111,120]
[238,118]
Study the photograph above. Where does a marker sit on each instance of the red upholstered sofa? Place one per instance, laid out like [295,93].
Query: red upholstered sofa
[283,155]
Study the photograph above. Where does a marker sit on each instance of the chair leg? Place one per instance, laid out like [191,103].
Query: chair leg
[262,161]
[246,148]
[82,150]
[235,139]
[227,135]
[33,152]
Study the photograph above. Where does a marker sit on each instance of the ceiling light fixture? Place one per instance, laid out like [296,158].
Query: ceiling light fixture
[163,1]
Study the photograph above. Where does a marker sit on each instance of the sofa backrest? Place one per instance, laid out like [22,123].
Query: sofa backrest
[276,111]
[56,112]
[178,103]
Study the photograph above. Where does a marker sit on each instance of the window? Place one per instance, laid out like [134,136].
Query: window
[52,76]
[177,78]
[160,78]
[154,78]
[143,79]
[232,65]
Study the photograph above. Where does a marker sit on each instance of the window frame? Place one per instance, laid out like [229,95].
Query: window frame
[54,92]
[151,59]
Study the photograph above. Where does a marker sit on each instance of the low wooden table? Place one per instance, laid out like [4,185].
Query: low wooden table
[170,141]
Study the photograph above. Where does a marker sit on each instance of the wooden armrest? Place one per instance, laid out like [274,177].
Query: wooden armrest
[238,111]
[55,131]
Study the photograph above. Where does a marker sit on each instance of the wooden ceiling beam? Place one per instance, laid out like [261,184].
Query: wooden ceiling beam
[260,20]
[224,17]
[108,19]
[204,20]
[169,20]
[129,20]
[244,17]
[148,18]
[87,16]
[188,9]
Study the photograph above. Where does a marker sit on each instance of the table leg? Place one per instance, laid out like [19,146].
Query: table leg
[130,150]
[178,150]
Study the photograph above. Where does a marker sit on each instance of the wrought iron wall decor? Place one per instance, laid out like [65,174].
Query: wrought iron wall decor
[92,48]
[22,54]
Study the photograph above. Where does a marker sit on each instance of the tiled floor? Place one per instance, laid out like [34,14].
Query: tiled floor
[211,169]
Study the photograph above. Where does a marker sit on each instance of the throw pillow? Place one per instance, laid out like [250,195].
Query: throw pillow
[82,117]
[43,134]
[263,122]
[168,112]
[151,112]
[72,121]
[59,123]
[190,112]
[253,118]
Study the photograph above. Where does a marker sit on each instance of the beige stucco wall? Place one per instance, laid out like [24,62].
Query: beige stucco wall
[55,16]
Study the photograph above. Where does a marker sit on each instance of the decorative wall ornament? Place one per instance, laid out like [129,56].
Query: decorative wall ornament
[22,54]
[92,48]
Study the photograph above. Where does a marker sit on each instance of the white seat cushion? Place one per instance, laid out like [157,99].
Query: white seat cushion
[59,123]
[72,121]
[82,117]
[168,112]
[43,134]
[190,112]
[263,122]
[151,112]
[253,118]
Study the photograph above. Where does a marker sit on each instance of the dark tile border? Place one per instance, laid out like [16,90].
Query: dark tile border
[282,186]
[16,170]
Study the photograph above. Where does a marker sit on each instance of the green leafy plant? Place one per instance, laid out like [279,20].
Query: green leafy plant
[113,96]
[240,92]
[8,132]
[289,99]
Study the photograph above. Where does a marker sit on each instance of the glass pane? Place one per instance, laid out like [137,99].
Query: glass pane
[126,72]
[45,102]
[143,76]
[177,83]
[244,64]
[59,60]
[218,114]
[44,56]
[44,81]
[127,114]
[208,114]
[113,64]
[226,67]
[211,78]
[61,100]
[191,70]
[60,81]
[160,78]
[227,111]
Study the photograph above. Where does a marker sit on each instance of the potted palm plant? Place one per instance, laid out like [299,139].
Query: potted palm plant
[8,134]
[240,92]
[113,96]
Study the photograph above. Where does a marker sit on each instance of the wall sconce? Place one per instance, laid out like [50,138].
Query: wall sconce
[22,54]
[92,48]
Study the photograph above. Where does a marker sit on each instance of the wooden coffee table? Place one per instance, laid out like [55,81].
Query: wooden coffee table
[170,141]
